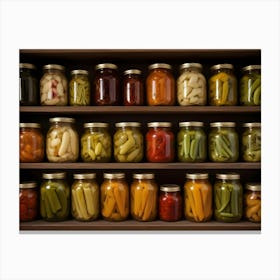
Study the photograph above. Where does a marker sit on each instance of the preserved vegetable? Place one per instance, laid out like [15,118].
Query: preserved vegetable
[28,199]
[252,202]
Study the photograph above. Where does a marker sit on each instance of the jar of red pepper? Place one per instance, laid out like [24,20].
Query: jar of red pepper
[28,199]
[160,142]
[170,203]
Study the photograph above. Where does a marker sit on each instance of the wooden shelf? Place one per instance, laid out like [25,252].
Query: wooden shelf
[135,225]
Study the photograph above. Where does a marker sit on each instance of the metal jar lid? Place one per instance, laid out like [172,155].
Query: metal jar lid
[223,124]
[128,124]
[251,125]
[85,176]
[27,66]
[60,175]
[190,65]
[253,187]
[114,175]
[197,175]
[54,67]
[160,65]
[221,66]
[98,125]
[28,185]
[170,188]
[79,72]
[251,67]
[159,124]
[144,176]
[106,65]
[230,176]
[186,124]
[132,71]
[65,120]
[29,125]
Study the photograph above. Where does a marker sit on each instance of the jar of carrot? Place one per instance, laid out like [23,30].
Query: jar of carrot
[198,197]
[252,202]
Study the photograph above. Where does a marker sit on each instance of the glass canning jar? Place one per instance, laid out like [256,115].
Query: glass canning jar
[191,85]
[252,202]
[62,143]
[222,85]
[198,197]
[114,197]
[160,142]
[160,85]
[28,90]
[170,203]
[28,199]
[31,142]
[85,197]
[53,85]
[96,144]
[128,142]
[250,86]
[79,88]
[251,142]
[143,197]
[106,84]
[228,198]
[133,89]
[191,142]
[223,142]
[54,197]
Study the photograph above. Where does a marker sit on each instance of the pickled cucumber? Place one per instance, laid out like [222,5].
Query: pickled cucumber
[251,145]
[250,89]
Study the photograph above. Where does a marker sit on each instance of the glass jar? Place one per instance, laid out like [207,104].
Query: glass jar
[228,199]
[223,142]
[106,85]
[170,203]
[85,197]
[28,90]
[96,145]
[198,197]
[53,85]
[251,142]
[191,142]
[28,199]
[250,86]
[54,197]
[160,142]
[133,90]
[128,142]
[62,141]
[114,197]
[160,85]
[252,202]
[222,85]
[191,85]
[31,142]
[143,197]
[79,88]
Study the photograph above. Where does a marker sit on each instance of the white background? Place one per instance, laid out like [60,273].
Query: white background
[146,24]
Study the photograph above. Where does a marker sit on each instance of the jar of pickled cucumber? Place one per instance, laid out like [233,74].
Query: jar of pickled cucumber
[53,85]
[62,143]
[96,143]
[191,142]
[85,197]
[191,85]
[28,90]
[252,202]
[198,197]
[223,142]
[31,142]
[170,203]
[250,86]
[251,142]
[160,85]
[106,83]
[54,197]
[133,89]
[114,197]
[228,198]
[79,88]
[28,201]
[128,142]
[222,85]
[160,143]
[143,197]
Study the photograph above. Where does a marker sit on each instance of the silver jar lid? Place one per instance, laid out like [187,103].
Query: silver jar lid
[251,67]
[170,188]
[186,124]
[54,67]
[253,187]
[251,125]
[160,65]
[59,175]
[27,66]
[29,125]
[79,72]
[113,175]
[65,120]
[128,124]
[223,124]
[197,175]
[132,71]
[159,124]
[230,176]
[84,176]
[191,65]
[98,125]
[144,176]
[222,66]
[106,65]
[28,185]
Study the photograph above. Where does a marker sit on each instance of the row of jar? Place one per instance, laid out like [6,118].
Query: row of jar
[161,88]
[62,142]
[116,200]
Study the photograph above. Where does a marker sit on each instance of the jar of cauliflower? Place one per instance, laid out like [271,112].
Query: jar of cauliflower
[191,85]
[62,143]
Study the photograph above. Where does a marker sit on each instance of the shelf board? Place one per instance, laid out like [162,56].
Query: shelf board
[61,110]
[135,225]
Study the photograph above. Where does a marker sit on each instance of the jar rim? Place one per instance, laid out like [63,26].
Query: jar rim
[27,66]
[79,71]
[106,65]
[128,124]
[159,124]
[29,125]
[197,175]
[223,124]
[253,186]
[113,175]
[191,123]
[191,65]
[132,71]
[54,67]
[222,66]
[144,176]
[84,175]
[230,176]
[170,188]
[251,67]
[96,124]
[65,120]
[58,175]
[28,185]
[256,124]
[159,65]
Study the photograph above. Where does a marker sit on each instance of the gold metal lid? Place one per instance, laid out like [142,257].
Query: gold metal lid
[170,188]
[65,120]
[85,176]
[27,66]
[144,176]
[251,67]
[132,71]
[60,175]
[160,65]
[197,175]
[106,65]
[186,124]
[190,65]
[114,175]
[222,66]
[230,176]
[251,125]
[253,186]
[29,125]
[28,185]
[79,71]
[159,124]
[128,124]
[223,124]
[54,67]
[101,125]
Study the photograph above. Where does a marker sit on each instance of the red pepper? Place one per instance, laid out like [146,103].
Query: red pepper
[28,204]
[170,206]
